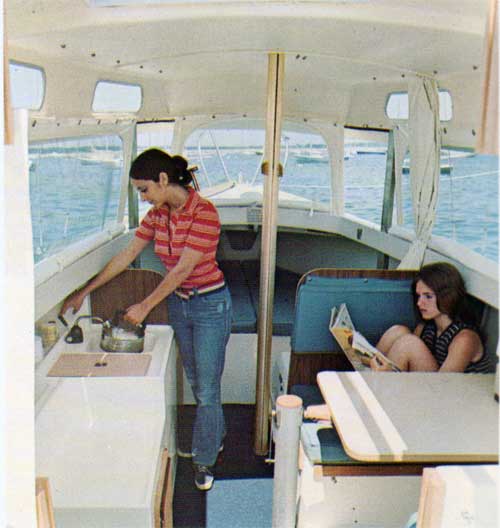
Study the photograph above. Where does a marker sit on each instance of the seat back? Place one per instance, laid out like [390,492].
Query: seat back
[376,299]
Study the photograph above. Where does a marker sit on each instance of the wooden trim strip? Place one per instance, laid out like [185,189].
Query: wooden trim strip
[44,507]
[370,470]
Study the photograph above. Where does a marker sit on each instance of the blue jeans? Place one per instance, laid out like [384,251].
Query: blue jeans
[202,325]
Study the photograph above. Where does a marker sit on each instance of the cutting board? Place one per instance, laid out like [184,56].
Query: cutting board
[100,365]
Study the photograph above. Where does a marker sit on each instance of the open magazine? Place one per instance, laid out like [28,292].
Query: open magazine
[355,346]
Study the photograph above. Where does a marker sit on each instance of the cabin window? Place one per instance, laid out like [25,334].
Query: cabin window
[225,154]
[74,190]
[116,97]
[307,169]
[27,86]
[467,209]
[153,135]
[365,159]
[236,154]
[397,106]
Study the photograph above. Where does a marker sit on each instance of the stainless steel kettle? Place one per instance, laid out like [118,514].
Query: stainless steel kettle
[121,336]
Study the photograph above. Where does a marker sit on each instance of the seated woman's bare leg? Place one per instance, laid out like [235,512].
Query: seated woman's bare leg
[410,353]
[390,336]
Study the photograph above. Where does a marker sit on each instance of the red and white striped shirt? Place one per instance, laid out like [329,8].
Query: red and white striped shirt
[195,225]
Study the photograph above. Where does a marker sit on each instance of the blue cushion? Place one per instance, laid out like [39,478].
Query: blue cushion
[310,394]
[322,445]
[374,304]
[243,280]
[284,295]
[244,315]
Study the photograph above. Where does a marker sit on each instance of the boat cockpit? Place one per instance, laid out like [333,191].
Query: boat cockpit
[358,138]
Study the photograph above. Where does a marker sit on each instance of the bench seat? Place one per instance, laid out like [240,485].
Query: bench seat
[243,281]
[376,300]
[323,447]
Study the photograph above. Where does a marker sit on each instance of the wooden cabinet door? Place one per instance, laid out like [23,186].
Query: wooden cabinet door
[164,493]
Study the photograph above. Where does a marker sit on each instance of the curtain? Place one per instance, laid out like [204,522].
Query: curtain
[425,147]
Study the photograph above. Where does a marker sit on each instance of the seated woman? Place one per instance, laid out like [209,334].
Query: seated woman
[447,338]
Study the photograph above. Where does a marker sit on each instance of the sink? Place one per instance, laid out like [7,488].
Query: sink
[100,364]
[87,361]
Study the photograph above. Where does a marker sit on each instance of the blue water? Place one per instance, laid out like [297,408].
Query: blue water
[72,198]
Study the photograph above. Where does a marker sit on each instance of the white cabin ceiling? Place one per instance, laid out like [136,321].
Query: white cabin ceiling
[212,57]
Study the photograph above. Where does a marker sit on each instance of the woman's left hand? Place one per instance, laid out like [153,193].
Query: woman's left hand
[136,313]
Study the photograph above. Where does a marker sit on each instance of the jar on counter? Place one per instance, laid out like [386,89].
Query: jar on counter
[50,334]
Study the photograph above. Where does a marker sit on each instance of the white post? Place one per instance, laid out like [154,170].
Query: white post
[287,437]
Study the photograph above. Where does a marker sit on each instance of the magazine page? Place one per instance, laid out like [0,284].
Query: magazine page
[342,327]
[333,316]
[361,345]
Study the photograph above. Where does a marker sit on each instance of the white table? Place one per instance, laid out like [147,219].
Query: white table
[414,417]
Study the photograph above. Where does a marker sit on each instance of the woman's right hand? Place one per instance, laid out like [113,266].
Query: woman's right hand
[379,365]
[75,301]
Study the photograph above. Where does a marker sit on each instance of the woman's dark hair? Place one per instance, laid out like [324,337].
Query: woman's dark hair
[149,164]
[448,285]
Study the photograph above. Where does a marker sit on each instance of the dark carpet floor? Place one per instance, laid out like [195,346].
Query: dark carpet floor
[237,461]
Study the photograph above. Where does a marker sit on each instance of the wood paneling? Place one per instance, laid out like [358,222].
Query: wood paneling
[126,289]
[370,470]
[305,366]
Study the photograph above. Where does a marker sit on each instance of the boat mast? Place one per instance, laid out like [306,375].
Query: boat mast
[276,69]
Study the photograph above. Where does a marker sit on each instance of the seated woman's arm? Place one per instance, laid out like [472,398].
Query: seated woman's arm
[465,348]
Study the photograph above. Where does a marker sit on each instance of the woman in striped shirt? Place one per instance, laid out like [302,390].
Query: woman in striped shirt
[185,229]
[447,337]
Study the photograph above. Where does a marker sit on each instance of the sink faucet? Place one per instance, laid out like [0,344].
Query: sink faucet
[75,334]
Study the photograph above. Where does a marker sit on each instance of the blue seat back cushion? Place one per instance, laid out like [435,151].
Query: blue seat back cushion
[243,281]
[244,316]
[284,295]
[374,304]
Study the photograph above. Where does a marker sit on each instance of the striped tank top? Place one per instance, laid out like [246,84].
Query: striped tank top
[439,345]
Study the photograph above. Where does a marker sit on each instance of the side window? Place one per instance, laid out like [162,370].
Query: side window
[74,190]
[307,166]
[472,223]
[365,159]
[153,135]
[27,86]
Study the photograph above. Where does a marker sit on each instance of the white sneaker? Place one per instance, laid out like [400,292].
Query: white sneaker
[203,477]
